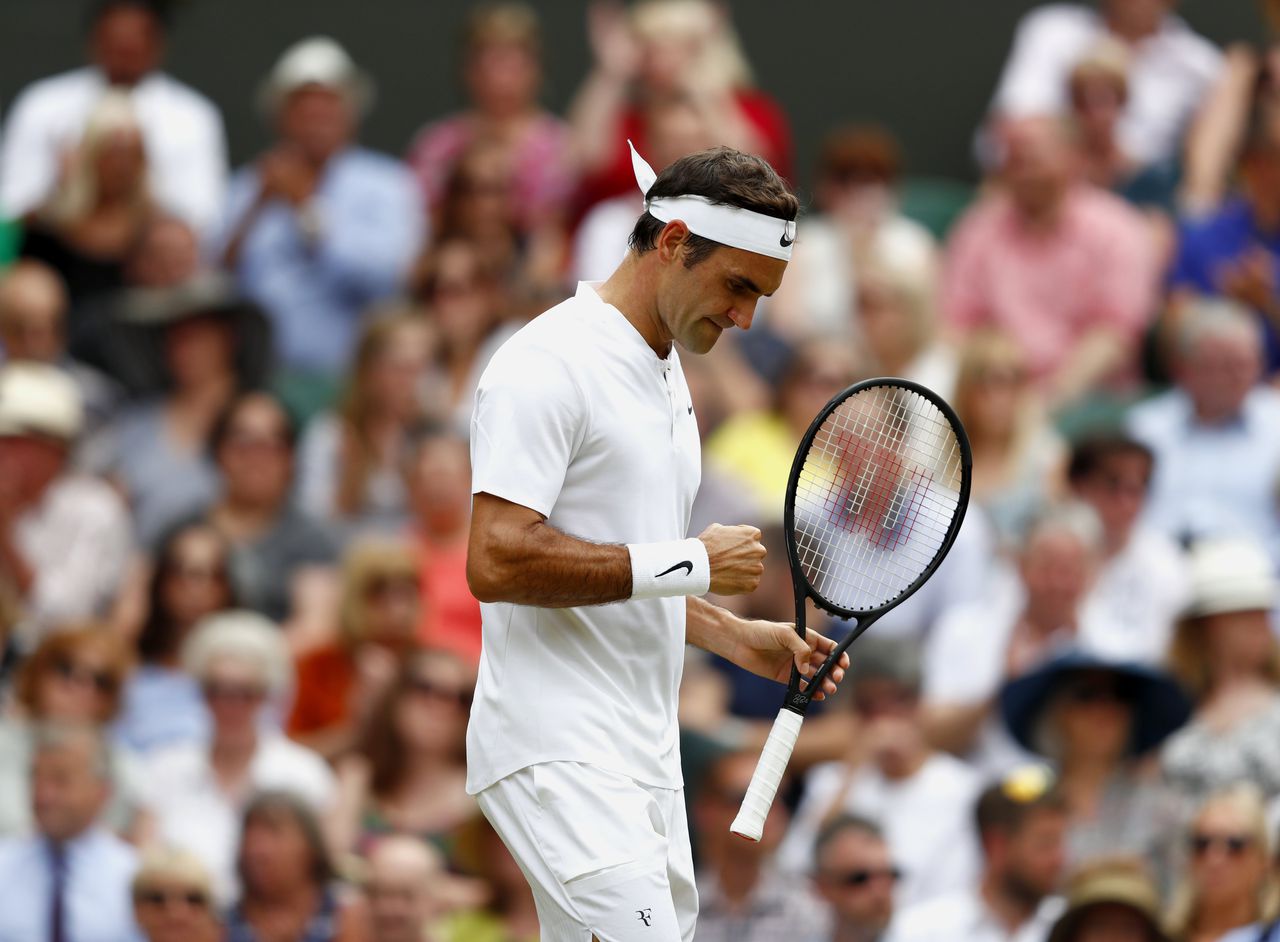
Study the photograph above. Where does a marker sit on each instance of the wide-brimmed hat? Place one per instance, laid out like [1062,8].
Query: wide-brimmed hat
[1118,882]
[1231,574]
[39,400]
[317,60]
[1159,704]
[131,347]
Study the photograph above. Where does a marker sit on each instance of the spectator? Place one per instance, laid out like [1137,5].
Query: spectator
[1142,580]
[198,790]
[338,684]
[1097,721]
[1225,654]
[857,220]
[1172,68]
[922,799]
[657,50]
[319,228]
[173,899]
[399,887]
[1010,254]
[1230,883]
[33,327]
[502,74]
[64,537]
[1233,250]
[740,894]
[464,303]
[510,912]
[438,476]
[89,225]
[288,886]
[1018,457]
[70,879]
[855,874]
[349,460]
[182,129]
[1216,436]
[191,580]
[73,677]
[186,351]
[167,254]
[1022,824]
[976,648]
[1110,901]
[409,774]
[279,554]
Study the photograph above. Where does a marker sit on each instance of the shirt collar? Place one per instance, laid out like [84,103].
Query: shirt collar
[616,321]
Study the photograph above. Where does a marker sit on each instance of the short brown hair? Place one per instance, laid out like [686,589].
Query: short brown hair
[1006,806]
[63,645]
[722,175]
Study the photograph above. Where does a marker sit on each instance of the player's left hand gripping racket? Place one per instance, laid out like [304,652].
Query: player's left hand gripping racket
[876,495]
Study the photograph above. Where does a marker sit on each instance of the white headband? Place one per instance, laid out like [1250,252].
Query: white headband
[729,225]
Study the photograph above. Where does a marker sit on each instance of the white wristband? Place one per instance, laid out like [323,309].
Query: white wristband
[674,567]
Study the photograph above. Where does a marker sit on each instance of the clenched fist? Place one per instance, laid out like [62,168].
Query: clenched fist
[736,556]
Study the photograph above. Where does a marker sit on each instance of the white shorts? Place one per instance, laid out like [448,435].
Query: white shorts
[604,854]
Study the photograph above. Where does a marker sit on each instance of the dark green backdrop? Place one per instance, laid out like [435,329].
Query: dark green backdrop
[923,67]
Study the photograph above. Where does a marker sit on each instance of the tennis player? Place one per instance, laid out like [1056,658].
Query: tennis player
[586,460]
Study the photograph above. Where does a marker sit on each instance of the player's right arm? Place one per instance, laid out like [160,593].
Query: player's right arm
[514,555]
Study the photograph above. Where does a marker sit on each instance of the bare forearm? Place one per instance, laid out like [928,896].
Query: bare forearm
[13,562]
[954,726]
[1096,356]
[709,627]
[540,565]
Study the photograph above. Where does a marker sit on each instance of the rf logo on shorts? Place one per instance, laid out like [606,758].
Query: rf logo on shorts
[645,915]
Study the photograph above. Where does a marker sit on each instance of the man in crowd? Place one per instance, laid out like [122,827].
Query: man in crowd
[70,881]
[402,870]
[64,537]
[182,130]
[1022,823]
[1216,435]
[318,228]
[1013,254]
[855,874]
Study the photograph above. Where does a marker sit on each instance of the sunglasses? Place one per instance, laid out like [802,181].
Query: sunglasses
[103,682]
[193,898]
[1233,844]
[862,877]
[426,688]
[243,693]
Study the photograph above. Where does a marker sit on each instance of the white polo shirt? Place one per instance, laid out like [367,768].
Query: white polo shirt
[577,418]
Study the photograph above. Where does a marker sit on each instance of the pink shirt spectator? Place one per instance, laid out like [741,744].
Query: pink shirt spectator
[540,163]
[1095,268]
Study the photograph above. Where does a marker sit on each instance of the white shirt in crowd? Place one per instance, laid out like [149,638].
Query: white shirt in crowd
[194,813]
[578,419]
[1141,591]
[964,917]
[601,242]
[77,540]
[182,130]
[927,821]
[1169,74]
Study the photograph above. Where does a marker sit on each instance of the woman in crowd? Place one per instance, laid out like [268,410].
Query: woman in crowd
[198,790]
[288,888]
[1230,880]
[190,581]
[378,614]
[464,303]
[100,206]
[1096,721]
[280,556]
[502,74]
[1225,654]
[409,775]
[173,899]
[349,461]
[1018,459]
[74,676]
[1110,901]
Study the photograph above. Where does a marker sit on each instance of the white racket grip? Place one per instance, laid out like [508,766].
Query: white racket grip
[764,784]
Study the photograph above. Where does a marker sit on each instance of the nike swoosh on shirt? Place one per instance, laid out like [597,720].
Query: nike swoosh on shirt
[686,565]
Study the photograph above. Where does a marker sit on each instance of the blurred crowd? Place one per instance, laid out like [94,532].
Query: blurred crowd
[238,646]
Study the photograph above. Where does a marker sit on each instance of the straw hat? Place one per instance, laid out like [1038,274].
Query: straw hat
[1117,882]
[317,60]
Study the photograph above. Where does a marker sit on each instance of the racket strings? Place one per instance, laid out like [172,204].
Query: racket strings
[876,496]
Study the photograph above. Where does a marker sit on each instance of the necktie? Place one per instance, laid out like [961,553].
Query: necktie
[57,915]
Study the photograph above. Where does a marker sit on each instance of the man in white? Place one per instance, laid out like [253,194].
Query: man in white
[585,458]
[182,130]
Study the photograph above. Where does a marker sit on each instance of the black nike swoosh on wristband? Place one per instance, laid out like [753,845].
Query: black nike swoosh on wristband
[686,565]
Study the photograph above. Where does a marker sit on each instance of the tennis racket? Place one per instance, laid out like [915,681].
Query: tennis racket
[876,495]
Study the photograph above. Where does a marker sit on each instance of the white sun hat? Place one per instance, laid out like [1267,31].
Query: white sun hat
[39,399]
[317,60]
[1231,575]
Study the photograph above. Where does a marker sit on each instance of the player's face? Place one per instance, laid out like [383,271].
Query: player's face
[696,305]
